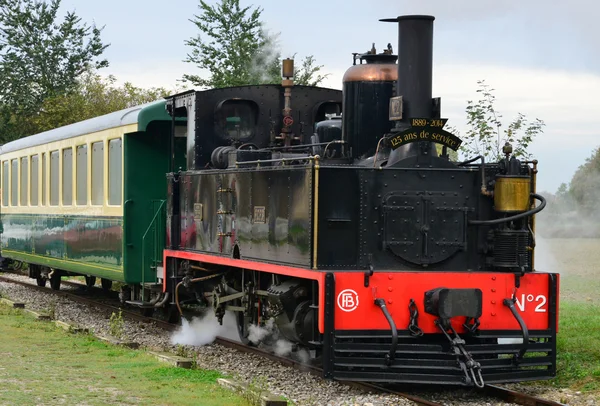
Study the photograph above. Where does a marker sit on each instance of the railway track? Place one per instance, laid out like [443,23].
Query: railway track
[497,392]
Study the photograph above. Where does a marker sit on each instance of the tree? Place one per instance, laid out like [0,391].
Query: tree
[584,187]
[92,96]
[485,135]
[237,50]
[452,155]
[40,57]
[308,74]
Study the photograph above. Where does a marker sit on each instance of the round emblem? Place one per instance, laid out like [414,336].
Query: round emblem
[288,121]
[347,300]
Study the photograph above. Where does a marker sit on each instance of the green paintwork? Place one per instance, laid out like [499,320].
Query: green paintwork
[146,165]
[155,112]
[82,244]
[66,265]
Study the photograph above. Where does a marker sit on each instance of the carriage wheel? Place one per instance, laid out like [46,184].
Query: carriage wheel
[90,281]
[106,284]
[41,281]
[55,281]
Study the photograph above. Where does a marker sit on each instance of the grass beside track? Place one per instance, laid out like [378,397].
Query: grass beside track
[42,364]
[578,342]
[578,347]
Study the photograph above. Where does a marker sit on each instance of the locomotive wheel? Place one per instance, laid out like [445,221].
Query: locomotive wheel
[106,284]
[147,311]
[244,322]
[41,281]
[171,314]
[90,281]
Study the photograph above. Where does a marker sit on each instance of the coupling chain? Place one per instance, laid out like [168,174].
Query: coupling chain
[469,366]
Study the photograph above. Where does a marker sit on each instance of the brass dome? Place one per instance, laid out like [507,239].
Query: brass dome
[372,72]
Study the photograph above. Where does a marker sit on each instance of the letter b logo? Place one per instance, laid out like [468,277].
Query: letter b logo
[347,300]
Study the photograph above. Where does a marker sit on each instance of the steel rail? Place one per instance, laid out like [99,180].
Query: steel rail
[519,398]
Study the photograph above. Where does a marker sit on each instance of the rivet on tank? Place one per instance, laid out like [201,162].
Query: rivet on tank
[367,88]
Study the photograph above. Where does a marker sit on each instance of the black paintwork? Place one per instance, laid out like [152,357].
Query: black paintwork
[309,105]
[366,115]
[228,217]
[396,218]
[403,218]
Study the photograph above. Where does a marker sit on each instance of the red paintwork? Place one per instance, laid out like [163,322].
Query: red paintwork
[398,288]
[255,266]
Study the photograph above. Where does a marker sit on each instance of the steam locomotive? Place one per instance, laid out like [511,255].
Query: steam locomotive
[333,216]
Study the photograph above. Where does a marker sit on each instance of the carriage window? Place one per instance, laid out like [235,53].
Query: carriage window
[81,175]
[14,183]
[5,183]
[67,177]
[115,166]
[44,176]
[54,178]
[33,194]
[24,180]
[98,173]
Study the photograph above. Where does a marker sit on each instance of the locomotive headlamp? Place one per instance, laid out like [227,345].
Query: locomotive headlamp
[511,193]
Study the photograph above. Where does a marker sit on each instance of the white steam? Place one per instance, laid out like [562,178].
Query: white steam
[269,338]
[282,347]
[257,333]
[266,57]
[544,259]
[204,330]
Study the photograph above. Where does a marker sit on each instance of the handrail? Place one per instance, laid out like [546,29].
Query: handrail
[283,160]
[125,221]
[158,212]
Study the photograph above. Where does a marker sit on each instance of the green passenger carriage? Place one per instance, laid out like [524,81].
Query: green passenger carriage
[86,199]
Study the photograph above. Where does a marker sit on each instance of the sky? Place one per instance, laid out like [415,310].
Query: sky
[541,57]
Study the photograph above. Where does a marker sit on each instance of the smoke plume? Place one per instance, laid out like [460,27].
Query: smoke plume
[264,67]
[204,330]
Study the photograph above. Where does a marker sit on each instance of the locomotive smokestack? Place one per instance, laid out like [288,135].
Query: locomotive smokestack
[415,64]
[415,76]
